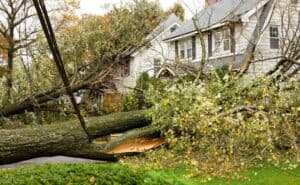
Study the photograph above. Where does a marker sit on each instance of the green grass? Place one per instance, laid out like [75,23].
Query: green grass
[116,174]
[113,174]
[267,175]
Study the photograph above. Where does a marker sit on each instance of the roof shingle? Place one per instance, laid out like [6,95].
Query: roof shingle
[219,12]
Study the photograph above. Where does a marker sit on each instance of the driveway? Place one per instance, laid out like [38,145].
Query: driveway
[50,160]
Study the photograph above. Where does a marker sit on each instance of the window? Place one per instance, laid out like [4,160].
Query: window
[294,1]
[274,37]
[157,65]
[182,50]
[218,38]
[173,28]
[125,69]
[189,49]
[226,40]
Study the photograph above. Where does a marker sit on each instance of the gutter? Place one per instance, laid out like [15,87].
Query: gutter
[214,26]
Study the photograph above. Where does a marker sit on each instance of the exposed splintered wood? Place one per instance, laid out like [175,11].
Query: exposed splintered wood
[139,145]
[135,141]
[66,138]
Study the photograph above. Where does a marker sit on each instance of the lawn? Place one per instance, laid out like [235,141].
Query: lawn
[116,174]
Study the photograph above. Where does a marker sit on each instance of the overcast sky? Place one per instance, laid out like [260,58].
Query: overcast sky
[100,6]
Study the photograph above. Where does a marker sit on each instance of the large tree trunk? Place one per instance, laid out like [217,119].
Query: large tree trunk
[257,32]
[67,138]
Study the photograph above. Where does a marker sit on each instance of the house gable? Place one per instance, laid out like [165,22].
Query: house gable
[233,36]
[216,15]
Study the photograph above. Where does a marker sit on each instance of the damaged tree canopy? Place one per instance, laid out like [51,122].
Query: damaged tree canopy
[69,139]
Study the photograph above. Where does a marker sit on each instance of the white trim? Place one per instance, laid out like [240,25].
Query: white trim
[165,68]
[218,25]
[246,16]
[223,56]
[181,37]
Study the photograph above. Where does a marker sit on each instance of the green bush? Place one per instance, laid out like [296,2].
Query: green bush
[135,100]
[71,174]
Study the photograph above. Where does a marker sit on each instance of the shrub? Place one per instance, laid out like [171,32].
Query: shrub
[135,100]
[72,174]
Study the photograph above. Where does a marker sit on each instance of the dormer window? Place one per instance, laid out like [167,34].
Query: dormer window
[173,28]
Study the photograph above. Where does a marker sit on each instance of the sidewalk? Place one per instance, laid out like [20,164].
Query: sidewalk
[50,160]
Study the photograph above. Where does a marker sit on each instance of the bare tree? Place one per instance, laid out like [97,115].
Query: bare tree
[289,58]
[13,13]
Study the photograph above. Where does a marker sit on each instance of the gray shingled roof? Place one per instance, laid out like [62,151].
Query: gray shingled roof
[170,20]
[216,13]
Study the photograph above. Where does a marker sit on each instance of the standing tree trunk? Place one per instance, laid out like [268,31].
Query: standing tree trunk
[203,49]
[9,82]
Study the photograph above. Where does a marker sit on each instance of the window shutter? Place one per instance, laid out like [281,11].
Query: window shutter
[194,47]
[209,44]
[232,38]
[176,49]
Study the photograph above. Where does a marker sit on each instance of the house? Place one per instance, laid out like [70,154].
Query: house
[148,58]
[3,66]
[228,27]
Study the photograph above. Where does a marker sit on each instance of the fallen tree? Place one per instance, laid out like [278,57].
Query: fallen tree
[29,105]
[68,138]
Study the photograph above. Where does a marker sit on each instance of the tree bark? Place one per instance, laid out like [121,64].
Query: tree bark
[67,138]
[258,31]
[203,50]
[10,60]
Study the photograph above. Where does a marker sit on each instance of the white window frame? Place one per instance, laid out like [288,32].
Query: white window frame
[274,36]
